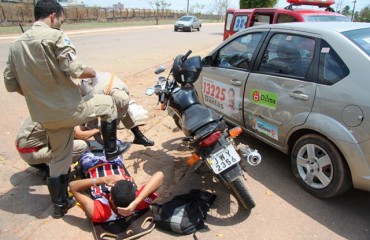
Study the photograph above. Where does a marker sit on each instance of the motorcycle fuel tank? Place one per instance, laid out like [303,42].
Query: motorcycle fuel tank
[182,98]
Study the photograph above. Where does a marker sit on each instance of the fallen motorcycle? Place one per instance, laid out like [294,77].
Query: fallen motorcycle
[206,132]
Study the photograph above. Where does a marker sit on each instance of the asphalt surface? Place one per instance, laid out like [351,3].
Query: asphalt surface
[283,211]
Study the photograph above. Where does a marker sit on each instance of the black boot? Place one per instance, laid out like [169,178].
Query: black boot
[58,189]
[109,132]
[43,168]
[140,138]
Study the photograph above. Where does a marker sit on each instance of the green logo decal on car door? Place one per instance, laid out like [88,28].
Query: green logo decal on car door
[263,98]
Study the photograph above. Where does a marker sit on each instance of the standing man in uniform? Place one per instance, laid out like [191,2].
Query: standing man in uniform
[41,66]
[108,84]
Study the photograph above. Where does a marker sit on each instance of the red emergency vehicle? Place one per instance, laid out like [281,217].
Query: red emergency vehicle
[238,19]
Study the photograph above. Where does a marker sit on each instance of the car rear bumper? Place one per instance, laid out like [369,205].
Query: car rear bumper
[357,156]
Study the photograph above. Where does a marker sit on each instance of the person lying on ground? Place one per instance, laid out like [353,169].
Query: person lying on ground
[113,194]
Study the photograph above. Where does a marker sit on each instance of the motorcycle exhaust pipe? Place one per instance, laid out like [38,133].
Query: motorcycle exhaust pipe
[252,157]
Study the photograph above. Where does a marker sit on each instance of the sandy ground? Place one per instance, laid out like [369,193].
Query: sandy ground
[283,211]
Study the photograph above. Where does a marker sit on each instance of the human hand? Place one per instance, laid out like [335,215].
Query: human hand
[127,211]
[112,179]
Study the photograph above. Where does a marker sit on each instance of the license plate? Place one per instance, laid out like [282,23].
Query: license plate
[223,159]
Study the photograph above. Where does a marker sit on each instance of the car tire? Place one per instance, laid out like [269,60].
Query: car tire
[319,167]
[190,29]
[175,29]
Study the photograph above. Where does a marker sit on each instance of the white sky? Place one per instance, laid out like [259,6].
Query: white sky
[182,4]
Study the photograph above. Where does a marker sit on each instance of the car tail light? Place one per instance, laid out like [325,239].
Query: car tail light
[193,159]
[235,132]
[211,139]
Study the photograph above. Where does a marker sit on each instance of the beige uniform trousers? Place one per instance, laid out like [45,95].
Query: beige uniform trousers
[61,133]
[121,99]
[44,154]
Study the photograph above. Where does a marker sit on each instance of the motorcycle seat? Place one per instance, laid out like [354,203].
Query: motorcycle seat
[197,116]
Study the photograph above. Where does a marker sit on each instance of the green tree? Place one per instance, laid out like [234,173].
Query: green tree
[218,6]
[158,6]
[346,11]
[356,17]
[196,9]
[257,3]
[365,14]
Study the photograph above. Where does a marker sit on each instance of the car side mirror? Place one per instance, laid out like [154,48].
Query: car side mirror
[207,61]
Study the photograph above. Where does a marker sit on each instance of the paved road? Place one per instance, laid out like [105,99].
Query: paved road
[284,210]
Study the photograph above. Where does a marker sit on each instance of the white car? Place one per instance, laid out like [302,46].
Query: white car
[188,23]
[302,88]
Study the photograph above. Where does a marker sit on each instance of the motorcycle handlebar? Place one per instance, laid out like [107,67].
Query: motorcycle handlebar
[186,56]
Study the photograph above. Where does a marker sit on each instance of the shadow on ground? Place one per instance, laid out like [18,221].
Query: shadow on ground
[275,172]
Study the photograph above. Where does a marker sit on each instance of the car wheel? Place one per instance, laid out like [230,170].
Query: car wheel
[175,29]
[319,167]
[190,28]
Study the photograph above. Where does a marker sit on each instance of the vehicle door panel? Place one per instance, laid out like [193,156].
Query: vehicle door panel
[223,82]
[279,95]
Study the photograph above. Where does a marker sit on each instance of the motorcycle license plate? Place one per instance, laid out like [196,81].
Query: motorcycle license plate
[223,159]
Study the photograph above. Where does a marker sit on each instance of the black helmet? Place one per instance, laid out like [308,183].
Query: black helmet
[187,71]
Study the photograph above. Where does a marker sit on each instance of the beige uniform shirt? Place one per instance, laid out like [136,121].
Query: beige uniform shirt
[42,63]
[31,134]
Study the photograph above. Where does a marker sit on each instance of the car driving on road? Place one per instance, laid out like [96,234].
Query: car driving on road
[188,23]
[303,89]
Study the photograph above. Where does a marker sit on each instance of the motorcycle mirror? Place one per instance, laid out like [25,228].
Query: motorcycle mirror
[149,91]
[206,61]
[160,70]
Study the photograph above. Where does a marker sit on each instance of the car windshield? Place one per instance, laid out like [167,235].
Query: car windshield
[361,37]
[186,19]
[326,18]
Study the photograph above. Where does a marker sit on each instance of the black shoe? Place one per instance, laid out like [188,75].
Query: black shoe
[43,168]
[120,149]
[140,137]
[61,209]
[58,189]
[142,140]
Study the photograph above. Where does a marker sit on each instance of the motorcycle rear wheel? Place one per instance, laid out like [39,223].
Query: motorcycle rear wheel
[241,192]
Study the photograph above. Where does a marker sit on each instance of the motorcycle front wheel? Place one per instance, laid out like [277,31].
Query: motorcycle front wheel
[177,121]
[241,192]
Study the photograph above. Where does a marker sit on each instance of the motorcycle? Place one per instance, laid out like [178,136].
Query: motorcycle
[206,132]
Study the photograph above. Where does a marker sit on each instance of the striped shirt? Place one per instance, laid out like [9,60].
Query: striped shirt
[103,211]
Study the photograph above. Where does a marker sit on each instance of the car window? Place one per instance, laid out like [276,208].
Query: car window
[283,18]
[260,19]
[239,52]
[331,69]
[288,55]
[228,21]
[186,18]
[361,37]
[240,22]
[326,18]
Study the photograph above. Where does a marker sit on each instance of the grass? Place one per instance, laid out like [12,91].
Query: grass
[92,25]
